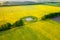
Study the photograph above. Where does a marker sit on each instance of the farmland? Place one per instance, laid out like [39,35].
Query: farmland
[40,30]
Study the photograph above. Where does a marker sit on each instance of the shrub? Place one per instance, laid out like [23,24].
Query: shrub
[51,15]
[18,23]
[29,19]
[6,26]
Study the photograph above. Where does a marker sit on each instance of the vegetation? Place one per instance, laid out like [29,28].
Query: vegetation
[51,15]
[16,3]
[52,3]
[6,26]
[30,19]
[18,23]
[41,30]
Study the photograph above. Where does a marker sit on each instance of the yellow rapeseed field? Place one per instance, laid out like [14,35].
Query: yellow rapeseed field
[13,13]
[40,30]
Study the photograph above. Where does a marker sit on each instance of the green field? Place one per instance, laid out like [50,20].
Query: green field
[40,30]
[52,3]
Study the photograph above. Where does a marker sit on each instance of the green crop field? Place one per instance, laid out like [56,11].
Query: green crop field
[39,30]
[52,3]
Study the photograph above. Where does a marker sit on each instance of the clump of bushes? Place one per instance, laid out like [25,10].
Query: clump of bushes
[51,15]
[30,19]
[6,26]
[18,23]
